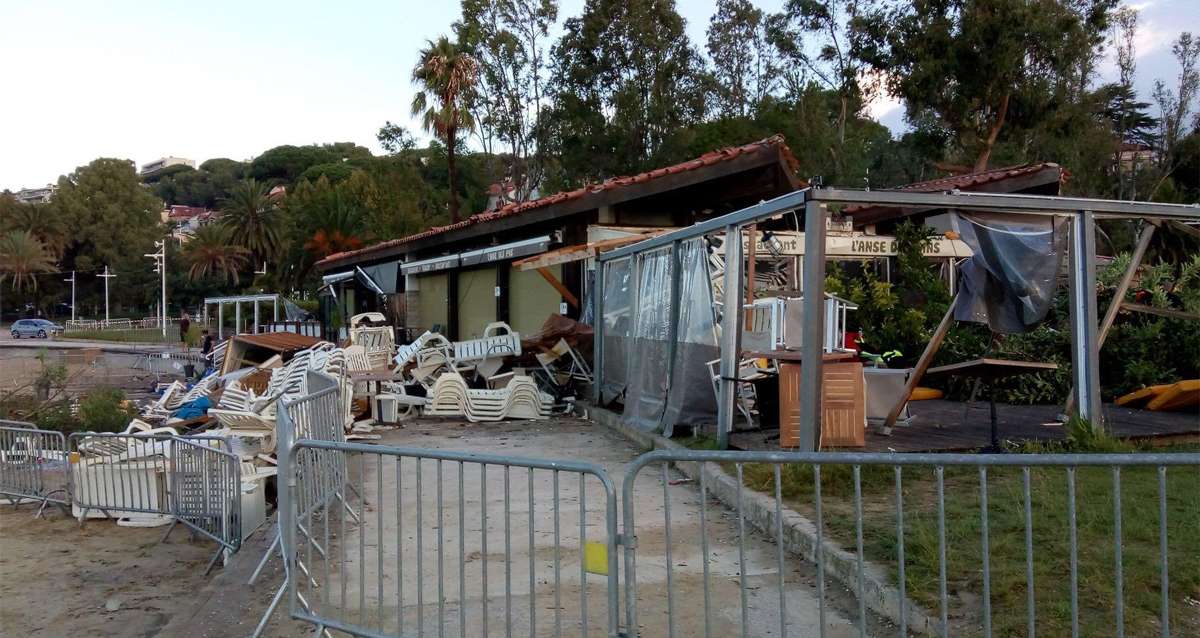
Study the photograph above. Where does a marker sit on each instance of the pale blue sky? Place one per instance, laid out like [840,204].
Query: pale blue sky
[225,78]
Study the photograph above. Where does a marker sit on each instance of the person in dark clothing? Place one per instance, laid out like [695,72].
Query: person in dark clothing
[184,325]
[206,348]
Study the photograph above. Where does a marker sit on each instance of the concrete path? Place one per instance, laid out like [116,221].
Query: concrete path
[375,568]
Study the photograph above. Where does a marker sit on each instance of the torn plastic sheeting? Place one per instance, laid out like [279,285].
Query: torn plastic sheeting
[690,399]
[618,312]
[648,349]
[1010,281]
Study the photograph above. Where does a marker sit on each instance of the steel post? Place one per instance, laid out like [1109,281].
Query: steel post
[815,215]
[1085,358]
[598,334]
[731,334]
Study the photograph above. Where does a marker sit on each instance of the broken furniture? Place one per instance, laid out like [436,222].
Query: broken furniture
[519,399]
[843,398]
[989,371]
[747,393]
[562,363]
[486,354]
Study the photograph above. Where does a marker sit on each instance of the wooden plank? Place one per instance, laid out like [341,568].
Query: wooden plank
[579,252]
[992,368]
[558,285]
[1161,312]
[914,379]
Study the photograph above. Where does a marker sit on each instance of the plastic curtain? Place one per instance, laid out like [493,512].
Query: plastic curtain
[1009,282]
[648,346]
[618,312]
[690,398]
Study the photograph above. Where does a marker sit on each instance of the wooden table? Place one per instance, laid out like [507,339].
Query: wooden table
[843,404]
[993,370]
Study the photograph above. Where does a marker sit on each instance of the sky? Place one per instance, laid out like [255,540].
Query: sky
[228,78]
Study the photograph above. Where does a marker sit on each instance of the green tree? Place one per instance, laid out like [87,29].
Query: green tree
[743,66]
[446,77]
[212,253]
[22,258]
[508,40]
[628,84]
[251,214]
[113,220]
[41,220]
[976,70]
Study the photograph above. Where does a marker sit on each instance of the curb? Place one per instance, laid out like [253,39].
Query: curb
[799,533]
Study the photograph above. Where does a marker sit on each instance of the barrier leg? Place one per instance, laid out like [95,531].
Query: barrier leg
[171,527]
[266,557]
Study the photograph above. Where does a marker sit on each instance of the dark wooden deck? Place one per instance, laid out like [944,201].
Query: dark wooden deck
[950,426]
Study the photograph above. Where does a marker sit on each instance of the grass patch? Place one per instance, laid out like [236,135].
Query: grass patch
[1006,527]
[139,335]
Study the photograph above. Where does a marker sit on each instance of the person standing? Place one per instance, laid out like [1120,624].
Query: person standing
[184,325]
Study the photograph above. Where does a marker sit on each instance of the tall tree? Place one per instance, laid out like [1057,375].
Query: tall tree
[742,59]
[1175,104]
[212,252]
[508,39]
[22,258]
[41,220]
[251,214]
[446,77]
[627,81]
[976,69]
[819,36]
[113,220]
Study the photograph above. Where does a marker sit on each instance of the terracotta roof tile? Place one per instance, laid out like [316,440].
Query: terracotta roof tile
[508,210]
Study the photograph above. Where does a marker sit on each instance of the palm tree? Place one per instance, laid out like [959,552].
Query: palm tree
[22,257]
[251,214]
[211,252]
[446,76]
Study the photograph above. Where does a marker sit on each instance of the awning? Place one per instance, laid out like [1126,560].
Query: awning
[435,264]
[368,276]
[506,252]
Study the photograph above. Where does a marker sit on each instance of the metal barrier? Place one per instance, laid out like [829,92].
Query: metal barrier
[33,465]
[890,526]
[206,493]
[120,473]
[385,575]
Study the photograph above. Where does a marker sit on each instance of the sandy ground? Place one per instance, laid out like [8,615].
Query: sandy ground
[57,579]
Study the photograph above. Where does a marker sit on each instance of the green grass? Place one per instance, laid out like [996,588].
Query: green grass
[1095,530]
[141,335]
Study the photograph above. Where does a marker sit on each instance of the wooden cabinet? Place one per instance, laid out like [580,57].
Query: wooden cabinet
[843,404]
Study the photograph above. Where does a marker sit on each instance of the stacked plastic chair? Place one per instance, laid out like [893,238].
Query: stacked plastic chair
[520,399]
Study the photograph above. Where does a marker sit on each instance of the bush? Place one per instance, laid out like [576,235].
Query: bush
[103,410]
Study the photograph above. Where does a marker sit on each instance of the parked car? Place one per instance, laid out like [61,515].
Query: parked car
[40,328]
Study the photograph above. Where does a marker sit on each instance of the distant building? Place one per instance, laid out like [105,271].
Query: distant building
[1134,156]
[36,195]
[161,163]
[184,220]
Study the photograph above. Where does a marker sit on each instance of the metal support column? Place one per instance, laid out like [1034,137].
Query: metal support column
[598,334]
[220,320]
[815,215]
[275,309]
[256,316]
[672,328]
[731,334]
[237,317]
[1085,356]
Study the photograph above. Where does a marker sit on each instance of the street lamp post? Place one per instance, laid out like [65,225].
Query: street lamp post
[106,277]
[72,280]
[160,266]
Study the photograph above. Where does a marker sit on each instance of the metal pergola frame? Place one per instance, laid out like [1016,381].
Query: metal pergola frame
[237,301]
[1081,276]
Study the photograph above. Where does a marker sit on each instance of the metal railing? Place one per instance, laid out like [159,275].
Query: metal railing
[890,480]
[120,473]
[33,465]
[385,575]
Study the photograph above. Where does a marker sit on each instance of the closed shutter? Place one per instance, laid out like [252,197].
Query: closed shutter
[476,301]
[433,302]
[531,299]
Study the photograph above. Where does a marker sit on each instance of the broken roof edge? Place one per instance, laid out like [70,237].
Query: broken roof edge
[782,154]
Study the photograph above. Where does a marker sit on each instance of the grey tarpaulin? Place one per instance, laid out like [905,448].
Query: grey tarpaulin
[618,312]
[384,276]
[638,368]
[646,369]
[690,398]
[1009,282]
